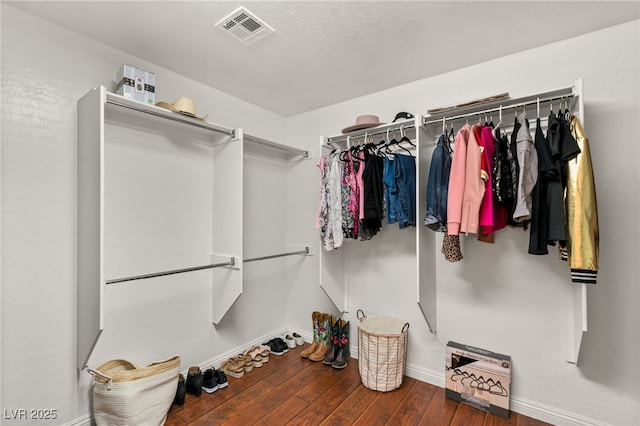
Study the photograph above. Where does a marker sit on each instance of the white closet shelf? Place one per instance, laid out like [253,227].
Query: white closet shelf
[121,101]
[260,146]
[543,99]
[95,109]
[398,126]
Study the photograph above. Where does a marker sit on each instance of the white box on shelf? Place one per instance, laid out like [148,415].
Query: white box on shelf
[136,84]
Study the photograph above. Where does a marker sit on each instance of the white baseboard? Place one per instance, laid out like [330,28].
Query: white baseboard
[518,405]
[217,360]
[80,421]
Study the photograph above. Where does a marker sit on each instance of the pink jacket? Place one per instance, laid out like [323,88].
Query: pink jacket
[466,186]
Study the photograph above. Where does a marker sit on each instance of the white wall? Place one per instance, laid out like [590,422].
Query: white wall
[499,297]
[517,309]
[45,70]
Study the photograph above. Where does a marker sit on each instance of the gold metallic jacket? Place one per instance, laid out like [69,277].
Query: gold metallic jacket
[581,212]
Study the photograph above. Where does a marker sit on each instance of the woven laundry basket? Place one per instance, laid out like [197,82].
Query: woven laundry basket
[382,351]
[125,394]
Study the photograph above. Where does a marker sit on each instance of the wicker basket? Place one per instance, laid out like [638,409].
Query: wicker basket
[382,351]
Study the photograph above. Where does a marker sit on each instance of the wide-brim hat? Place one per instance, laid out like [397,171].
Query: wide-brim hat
[363,122]
[182,105]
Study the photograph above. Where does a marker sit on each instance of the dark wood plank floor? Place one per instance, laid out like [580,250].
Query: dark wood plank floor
[293,390]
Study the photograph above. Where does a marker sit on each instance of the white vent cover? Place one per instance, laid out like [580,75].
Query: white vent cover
[244,25]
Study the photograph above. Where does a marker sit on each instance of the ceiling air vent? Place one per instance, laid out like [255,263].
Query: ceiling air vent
[244,26]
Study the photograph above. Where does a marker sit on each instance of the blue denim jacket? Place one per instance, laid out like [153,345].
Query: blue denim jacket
[399,179]
[438,187]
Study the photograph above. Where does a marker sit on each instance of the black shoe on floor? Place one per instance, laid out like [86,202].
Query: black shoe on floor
[194,381]
[180,392]
[277,346]
[221,379]
[209,383]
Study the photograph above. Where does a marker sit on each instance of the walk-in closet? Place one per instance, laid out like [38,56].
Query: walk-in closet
[231,231]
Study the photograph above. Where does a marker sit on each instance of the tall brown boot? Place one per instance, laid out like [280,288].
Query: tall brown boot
[315,317]
[324,334]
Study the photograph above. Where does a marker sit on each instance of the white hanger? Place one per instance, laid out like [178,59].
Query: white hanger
[495,129]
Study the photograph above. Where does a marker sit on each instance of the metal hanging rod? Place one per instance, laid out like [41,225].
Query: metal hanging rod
[253,259]
[500,106]
[231,262]
[380,130]
[170,116]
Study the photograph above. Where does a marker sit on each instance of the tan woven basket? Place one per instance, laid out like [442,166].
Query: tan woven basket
[382,351]
[125,394]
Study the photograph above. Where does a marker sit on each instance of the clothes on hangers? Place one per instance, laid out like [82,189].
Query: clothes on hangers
[493,215]
[497,180]
[373,211]
[554,152]
[329,219]
[359,185]
[502,171]
[539,231]
[527,170]
[512,155]
[438,187]
[399,179]
[466,186]
[555,181]
[350,197]
[582,248]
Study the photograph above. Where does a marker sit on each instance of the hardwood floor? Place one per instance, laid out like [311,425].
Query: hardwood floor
[293,390]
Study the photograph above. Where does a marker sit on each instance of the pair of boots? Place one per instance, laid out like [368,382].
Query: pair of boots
[330,340]
[338,354]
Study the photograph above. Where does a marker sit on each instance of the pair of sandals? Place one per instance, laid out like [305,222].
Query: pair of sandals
[245,362]
[233,367]
[258,354]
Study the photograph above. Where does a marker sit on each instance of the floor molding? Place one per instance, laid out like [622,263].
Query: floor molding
[80,421]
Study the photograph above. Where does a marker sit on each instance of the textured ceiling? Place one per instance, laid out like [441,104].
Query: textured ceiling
[324,52]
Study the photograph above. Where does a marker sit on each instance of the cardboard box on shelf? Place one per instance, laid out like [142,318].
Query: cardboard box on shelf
[136,84]
[478,377]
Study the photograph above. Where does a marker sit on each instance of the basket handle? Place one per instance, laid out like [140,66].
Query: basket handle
[405,327]
[359,311]
[95,373]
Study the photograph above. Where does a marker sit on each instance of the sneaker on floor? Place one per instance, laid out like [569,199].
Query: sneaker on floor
[285,347]
[209,383]
[275,347]
[298,338]
[291,342]
[221,379]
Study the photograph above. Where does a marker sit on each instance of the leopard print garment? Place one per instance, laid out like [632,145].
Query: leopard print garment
[451,248]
